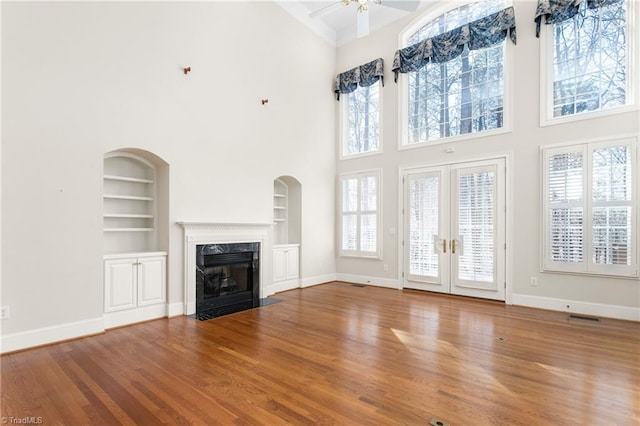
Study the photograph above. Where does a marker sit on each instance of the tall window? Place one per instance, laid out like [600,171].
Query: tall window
[361,116]
[360,218]
[463,95]
[590,70]
[591,208]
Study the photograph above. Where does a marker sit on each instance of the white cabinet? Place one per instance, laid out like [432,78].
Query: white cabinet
[134,281]
[286,259]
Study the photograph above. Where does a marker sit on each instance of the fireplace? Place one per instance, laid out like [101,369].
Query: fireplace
[227,278]
[220,234]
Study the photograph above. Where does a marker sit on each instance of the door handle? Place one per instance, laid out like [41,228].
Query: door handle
[453,246]
[444,245]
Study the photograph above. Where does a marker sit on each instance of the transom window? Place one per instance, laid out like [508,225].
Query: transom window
[360,217]
[361,116]
[590,54]
[462,96]
[591,208]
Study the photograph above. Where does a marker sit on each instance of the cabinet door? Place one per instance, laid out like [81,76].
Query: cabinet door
[151,280]
[120,284]
[292,263]
[279,265]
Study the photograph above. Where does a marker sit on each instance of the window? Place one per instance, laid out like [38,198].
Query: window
[464,95]
[360,218]
[361,110]
[591,208]
[361,116]
[588,61]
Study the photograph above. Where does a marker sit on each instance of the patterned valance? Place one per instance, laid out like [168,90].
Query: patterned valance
[555,11]
[364,75]
[484,32]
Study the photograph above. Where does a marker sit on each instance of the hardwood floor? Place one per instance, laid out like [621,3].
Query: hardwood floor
[339,354]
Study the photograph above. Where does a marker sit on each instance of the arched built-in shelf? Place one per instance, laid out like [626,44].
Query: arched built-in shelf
[135,247]
[286,232]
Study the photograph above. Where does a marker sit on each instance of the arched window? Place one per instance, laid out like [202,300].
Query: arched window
[455,85]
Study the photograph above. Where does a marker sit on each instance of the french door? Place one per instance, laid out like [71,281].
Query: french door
[454,229]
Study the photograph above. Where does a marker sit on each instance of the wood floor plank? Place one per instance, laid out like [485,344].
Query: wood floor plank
[339,354]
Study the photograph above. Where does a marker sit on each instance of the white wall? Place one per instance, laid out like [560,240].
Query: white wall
[598,295]
[83,79]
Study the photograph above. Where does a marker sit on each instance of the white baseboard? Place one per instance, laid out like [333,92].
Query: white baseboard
[320,279]
[43,336]
[297,283]
[282,286]
[374,281]
[131,316]
[175,309]
[577,307]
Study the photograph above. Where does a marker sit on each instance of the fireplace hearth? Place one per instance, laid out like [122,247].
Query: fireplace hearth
[227,278]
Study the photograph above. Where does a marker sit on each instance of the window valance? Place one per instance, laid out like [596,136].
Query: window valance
[555,11]
[364,75]
[444,47]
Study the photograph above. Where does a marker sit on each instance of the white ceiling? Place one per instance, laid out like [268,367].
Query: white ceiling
[337,23]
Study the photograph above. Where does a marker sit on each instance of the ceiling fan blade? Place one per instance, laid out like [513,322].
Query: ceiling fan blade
[407,5]
[363,23]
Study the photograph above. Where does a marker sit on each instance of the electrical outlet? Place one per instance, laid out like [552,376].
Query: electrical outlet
[385,267]
[4,312]
[534,281]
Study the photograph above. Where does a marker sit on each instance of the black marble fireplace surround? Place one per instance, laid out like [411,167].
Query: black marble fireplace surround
[227,278]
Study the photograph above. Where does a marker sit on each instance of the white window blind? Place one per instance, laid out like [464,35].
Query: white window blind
[424,208]
[591,204]
[359,211]
[476,225]
[565,189]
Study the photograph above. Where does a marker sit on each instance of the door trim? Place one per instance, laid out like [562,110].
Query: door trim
[508,161]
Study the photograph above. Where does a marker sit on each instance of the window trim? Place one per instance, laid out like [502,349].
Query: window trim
[546,74]
[402,86]
[586,268]
[343,127]
[358,253]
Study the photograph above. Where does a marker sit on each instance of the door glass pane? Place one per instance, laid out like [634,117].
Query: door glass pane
[476,225]
[423,225]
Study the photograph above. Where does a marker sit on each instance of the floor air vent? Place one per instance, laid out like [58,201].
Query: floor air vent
[583,317]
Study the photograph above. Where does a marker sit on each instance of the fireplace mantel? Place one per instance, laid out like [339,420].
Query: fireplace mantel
[209,232]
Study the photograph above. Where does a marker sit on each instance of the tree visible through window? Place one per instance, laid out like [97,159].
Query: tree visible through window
[363,120]
[590,60]
[461,96]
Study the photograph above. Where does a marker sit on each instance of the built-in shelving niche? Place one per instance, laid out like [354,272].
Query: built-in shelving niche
[287,231]
[134,202]
[286,210]
[136,228]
